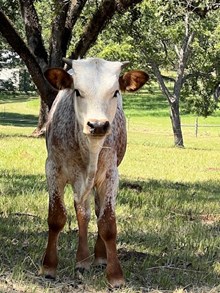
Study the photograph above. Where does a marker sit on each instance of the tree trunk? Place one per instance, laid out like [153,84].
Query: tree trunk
[57,35]
[33,32]
[176,124]
[173,100]
[42,119]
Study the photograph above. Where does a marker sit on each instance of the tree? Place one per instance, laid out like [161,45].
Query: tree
[176,40]
[179,43]
[39,55]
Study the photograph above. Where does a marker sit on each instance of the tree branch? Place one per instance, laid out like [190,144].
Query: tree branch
[123,5]
[98,22]
[217,92]
[103,14]
[160,79]
[74,11]
[196,74]
[195,7]
[183,56]
[33,32]
[58,29]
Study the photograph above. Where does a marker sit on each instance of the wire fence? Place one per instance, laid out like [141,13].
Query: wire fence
[163,127]
[196,126]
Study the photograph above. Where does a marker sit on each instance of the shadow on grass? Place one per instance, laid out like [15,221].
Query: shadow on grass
[165,256]
[16,119]
[4,135]
[192,192]
[175,240]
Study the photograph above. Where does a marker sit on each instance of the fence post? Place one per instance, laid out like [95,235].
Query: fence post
[196,126]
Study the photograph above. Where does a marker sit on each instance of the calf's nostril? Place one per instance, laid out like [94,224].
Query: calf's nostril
[106,126]
[98,127]
[91,124]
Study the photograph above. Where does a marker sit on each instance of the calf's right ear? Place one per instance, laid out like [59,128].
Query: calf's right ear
[133,80]
[58,78]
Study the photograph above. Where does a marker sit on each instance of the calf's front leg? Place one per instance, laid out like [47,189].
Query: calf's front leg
[56,221]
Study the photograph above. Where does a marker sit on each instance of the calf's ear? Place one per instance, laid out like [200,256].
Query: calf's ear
[133,80]
[58,78]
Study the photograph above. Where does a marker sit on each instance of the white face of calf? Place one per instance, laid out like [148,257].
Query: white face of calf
[96,90]
[96,85]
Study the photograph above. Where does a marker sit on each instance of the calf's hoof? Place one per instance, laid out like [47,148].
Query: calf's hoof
[115,283]
[99,261]
[100,264]
[47,272]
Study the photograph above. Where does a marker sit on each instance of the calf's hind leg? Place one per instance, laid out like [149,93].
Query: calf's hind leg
[56,221]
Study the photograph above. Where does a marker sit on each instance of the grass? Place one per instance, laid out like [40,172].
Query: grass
[168,208]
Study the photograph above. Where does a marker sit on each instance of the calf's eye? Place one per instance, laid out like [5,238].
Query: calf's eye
[77,93]
[116,94]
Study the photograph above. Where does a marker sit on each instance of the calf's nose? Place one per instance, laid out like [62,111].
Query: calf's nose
[98,127]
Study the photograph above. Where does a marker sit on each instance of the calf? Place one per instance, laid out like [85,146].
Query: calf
[86,141]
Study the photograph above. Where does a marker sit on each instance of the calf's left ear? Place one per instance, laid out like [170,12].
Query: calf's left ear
[133,80]
[58,78]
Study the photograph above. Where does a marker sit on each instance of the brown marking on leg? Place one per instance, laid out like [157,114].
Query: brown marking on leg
[83,217]
[105,210]
[108,232]
[56,221]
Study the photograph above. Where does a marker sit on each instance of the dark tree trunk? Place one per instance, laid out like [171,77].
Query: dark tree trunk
[42,120]
[33,32]
[176,124]
[36,45]
[58,31]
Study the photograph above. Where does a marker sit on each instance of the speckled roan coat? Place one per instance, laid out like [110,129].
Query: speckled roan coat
[86,141]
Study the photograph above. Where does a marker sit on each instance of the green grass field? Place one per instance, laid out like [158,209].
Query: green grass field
[168,208]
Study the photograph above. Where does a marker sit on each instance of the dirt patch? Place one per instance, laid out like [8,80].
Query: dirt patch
[210,219]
